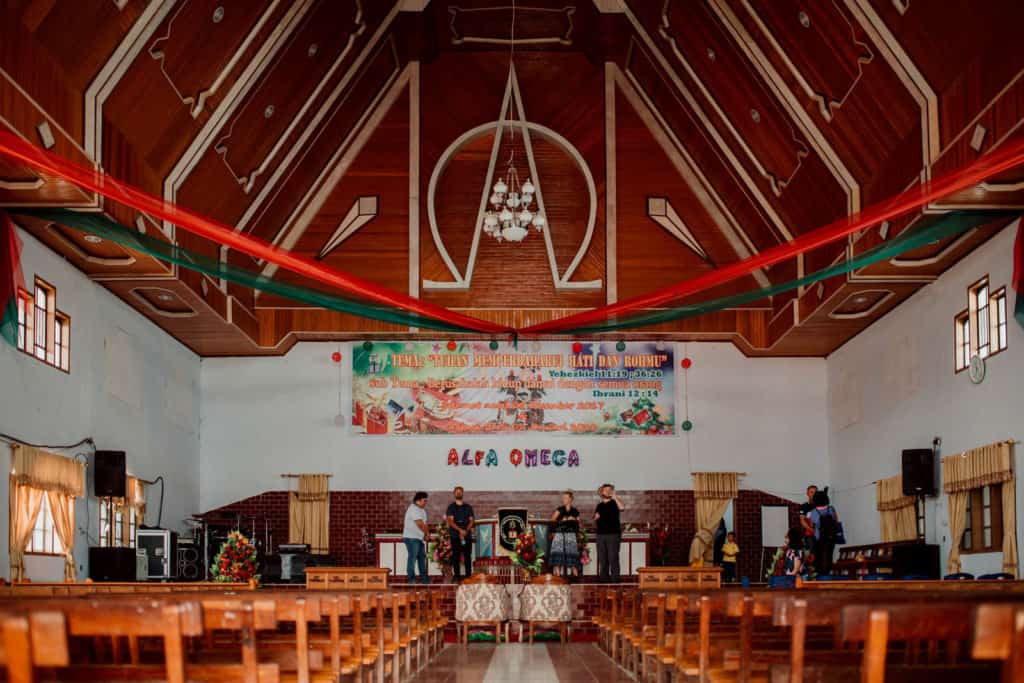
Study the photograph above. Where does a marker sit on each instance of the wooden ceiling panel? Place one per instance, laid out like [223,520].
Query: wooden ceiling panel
[966,51]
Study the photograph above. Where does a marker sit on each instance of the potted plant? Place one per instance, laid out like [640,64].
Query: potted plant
[526,556]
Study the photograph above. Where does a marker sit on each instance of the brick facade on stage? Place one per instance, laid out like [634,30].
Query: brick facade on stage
[352,512]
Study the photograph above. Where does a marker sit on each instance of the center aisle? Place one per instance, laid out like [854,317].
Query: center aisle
[540,663]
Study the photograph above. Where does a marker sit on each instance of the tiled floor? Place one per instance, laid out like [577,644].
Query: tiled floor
[486,663]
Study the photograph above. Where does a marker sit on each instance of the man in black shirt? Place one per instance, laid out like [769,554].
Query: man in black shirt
[609,534]
[460,526]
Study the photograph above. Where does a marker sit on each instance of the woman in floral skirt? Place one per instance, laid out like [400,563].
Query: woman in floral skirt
[564,556]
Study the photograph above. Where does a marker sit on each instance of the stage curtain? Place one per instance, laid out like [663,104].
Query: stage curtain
[896,512]
[957,524]
[47,471]
[309,512]
[713,491]
[983,466]
[1010,526]
[62,507]
[24,508]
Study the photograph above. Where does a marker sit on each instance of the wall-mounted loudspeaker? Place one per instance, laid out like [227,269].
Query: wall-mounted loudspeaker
[919,472]
[109,474]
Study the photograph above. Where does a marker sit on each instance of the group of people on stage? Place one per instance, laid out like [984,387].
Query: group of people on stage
[816,536]
[564,555]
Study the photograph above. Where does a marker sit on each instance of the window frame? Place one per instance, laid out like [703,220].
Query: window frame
[975,523]
[986,312]
[50,315]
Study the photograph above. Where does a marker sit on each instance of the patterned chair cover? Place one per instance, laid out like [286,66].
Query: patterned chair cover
[549,603]
[482,602]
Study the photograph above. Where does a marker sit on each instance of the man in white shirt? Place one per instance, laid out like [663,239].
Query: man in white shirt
[414,535]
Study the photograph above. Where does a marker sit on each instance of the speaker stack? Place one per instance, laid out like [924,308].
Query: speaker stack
[109,477]
[190,567]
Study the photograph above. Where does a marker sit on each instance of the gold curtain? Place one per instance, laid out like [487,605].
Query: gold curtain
[309,512]
[62,507]
[957,524]
[984,466]
[713,491]
[47,471]
[1010,527]
[24,507]
[896,513]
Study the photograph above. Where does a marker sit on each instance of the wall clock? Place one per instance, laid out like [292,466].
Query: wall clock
[976,370]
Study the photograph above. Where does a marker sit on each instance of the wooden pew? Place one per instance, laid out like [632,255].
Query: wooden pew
[999,635]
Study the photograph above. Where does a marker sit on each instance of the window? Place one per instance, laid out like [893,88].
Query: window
[984,530]
[122,513]
[963,341]
[981,329]
[43,331]
[44,533]
[998,307]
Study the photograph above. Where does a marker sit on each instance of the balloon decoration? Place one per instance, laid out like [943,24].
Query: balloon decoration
[452,345]
[577,347]
[620,346]
[527,457]
[336,356]
[367,346]
[493,345]
[686,363]
[687,425]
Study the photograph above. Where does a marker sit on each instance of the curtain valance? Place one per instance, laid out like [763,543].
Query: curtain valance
[984,466]
[313,487]
[889,494]
[715,484]
[47,471]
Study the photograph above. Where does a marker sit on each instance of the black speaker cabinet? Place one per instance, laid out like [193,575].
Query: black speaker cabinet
[916,559]
[919,472]
[109,474]
[190,568]
[112,564]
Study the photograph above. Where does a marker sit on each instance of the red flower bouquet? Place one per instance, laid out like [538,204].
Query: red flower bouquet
[236,562]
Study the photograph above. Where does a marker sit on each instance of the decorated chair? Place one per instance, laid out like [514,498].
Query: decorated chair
[547,602]
[481,600]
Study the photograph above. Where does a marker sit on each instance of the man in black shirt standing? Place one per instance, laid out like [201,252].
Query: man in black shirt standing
[460,526]
[609,534]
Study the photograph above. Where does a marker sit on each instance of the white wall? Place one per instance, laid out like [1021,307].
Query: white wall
[132,387]
[893,387]
[265,416]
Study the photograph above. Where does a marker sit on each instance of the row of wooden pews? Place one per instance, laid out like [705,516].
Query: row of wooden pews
[218,634]
[934,633]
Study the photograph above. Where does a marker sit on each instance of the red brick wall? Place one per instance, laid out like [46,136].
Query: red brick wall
[353,512]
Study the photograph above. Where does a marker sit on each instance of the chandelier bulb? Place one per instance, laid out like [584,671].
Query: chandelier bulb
[539,221]
[500,187]
[528,187]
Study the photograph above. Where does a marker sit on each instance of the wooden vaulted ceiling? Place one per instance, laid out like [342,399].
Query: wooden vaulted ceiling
[709,130]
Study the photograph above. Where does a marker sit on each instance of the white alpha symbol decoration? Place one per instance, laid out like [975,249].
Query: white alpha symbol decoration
[507,125]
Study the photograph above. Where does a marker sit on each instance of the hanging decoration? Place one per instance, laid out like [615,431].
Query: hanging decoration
[452,346]
[11,279]
[336,356]
[686,363]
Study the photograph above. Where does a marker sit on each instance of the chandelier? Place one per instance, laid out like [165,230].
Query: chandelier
[512,212]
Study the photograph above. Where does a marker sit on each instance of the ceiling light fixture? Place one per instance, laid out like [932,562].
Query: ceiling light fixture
[93,239]
[512,203]
[164,297]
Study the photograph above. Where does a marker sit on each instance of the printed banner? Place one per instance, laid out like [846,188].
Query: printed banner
[551,387]
[511,523]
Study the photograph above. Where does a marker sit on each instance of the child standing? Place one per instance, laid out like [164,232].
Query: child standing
[729,552]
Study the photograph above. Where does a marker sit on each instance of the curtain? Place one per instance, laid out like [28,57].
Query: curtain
[134,498]
[713,491]
[1010,527]
[62,507]
[47,471]
[957,524]
[24,508]
[896,512]
[308,512]
[984,466]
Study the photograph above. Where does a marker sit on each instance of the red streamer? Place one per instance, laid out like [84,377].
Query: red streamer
[97,181]
[987,166]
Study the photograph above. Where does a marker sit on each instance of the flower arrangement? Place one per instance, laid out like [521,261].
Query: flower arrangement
[526,554]
[236,562]
[659,544]
[582,541]
[440,549]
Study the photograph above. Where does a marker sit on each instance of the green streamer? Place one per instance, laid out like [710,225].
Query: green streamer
[101,225]
[934,229]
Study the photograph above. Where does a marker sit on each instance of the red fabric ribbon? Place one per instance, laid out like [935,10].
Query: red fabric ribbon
[97,181]
[987,166]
